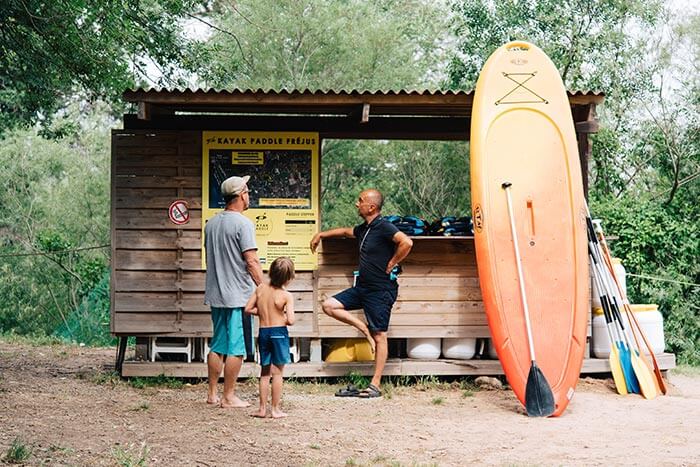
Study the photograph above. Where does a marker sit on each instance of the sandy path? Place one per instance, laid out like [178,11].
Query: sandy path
[51,398]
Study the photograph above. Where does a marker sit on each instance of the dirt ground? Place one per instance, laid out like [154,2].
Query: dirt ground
[63,403]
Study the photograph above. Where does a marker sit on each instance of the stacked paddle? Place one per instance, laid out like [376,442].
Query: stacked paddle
[632,372]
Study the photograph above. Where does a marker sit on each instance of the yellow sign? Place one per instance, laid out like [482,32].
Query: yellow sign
[284,188]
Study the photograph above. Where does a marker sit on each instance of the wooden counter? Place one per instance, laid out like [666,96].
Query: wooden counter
[439,293]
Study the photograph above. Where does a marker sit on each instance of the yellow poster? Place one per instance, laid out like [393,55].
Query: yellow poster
[284,188]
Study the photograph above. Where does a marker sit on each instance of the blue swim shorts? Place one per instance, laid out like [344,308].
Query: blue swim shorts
[376,304]
[227,338]
[273,344]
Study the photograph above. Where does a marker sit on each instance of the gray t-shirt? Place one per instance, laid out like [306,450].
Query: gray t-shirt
[226,236]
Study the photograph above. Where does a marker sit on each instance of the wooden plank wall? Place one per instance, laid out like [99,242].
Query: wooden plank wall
[157,278]
[439,294]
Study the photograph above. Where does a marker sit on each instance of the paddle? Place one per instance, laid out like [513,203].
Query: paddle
[641,367]
[625,359]
[539,400]
[644,382]
[614,357]
[659,381]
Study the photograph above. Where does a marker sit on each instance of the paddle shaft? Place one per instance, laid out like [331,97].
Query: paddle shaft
[630,314]
[521,280]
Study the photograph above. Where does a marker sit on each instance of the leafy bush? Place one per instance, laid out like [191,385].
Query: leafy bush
[54,201]
[662,243]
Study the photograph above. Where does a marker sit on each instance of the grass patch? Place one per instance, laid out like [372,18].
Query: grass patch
[101,378]
[33,340]
[61,449]
[438,400]
[18,452]
[314,446]
[355,378]
[687,370]
[142,407]
[130,456]
[160,381]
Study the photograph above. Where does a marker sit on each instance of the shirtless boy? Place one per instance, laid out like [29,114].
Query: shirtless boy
[275,309]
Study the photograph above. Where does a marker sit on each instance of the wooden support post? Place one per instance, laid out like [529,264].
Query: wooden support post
[144,112]
[315,353]
[586,124]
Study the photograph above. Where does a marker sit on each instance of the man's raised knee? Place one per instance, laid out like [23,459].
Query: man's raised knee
[328,306]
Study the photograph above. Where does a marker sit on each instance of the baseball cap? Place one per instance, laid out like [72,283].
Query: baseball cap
[234,185]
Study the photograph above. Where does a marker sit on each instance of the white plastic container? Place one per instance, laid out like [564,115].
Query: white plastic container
[650,320]
[426,348]
[621,275]
[458,348]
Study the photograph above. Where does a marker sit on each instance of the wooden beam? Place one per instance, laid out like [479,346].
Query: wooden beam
[407,128]
[394,367]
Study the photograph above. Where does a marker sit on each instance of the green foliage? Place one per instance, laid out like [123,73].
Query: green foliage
[160,381]
[131,455]
[106,378]
[18,452]
[356,379]
[53,202]
[348,44]
[50,50]
[420,178]
[438,400]
[88,323]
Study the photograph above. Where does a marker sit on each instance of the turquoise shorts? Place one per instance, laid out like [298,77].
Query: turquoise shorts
[227,338]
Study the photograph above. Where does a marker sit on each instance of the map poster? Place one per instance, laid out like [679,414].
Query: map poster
[284,188]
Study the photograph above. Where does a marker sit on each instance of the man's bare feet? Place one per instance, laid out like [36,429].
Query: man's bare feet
[277,413]
[213,400]
[233,403]
[262,413]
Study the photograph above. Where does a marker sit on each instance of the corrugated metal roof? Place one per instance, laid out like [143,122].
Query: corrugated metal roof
[131,93]
[436,103]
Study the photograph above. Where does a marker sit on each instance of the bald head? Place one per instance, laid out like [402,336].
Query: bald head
[373,196]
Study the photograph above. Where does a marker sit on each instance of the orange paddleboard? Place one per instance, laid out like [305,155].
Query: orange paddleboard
[522,132]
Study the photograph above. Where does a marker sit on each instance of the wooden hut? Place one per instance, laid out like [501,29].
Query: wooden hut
[157,273]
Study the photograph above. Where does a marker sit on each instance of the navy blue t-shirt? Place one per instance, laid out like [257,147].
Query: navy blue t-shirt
[376,246]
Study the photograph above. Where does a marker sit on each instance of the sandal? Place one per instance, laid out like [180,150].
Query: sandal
[349,391]
[369,392]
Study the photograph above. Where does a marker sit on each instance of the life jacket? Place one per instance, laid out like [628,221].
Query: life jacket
[450,226]
[410,225]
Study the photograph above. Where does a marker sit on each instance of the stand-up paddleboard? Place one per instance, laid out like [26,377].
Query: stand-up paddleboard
[522,134]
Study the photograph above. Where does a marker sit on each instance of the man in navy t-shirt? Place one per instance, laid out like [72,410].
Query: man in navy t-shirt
[381,246]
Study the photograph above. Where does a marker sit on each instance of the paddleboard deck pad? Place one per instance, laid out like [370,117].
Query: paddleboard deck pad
[522,133]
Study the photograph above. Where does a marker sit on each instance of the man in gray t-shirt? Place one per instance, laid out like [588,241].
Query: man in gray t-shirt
[233,271]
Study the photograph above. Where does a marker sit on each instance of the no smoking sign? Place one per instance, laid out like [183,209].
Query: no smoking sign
[178,212]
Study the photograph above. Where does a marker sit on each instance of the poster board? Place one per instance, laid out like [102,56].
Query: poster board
[284,188]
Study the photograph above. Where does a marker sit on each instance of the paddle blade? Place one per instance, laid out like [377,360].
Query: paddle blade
[645,376]
[616,369]
[539,400]
[627,370]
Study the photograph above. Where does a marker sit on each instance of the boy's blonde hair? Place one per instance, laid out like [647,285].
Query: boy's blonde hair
[281,271]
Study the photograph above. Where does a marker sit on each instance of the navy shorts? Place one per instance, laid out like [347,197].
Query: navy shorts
[376,304]
[273,344]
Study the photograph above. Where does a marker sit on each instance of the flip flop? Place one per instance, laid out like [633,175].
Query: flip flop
[349,391]
[369,392]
